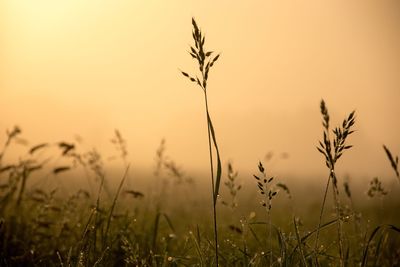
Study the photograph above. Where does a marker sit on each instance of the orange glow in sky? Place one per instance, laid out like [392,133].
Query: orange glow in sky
[87,67]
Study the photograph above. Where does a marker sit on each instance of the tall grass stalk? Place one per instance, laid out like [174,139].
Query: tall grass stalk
[205,61]
[113,206]
[268,192]
[296,228]
[332,151]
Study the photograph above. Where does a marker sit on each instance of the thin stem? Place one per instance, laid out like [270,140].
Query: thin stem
[303,258]
[212,180]
[113,205]
[337,206]
[97,214]
[270,237]
[5,146]
[337,209]
[320,221]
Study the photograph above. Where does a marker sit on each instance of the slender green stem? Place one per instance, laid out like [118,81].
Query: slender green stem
[212,181]
[113,206]
[337,206]
[303,258]
[337,209]
[320,221]
[270,237]
[22,188]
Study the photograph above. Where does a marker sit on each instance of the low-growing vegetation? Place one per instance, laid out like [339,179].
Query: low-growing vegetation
[261,221]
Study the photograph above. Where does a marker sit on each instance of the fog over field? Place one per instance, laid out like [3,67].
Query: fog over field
[86,68]
[199,133]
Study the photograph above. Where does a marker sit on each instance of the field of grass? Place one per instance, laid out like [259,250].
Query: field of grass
[172,220]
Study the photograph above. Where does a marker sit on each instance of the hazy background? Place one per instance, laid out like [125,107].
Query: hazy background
[84,68]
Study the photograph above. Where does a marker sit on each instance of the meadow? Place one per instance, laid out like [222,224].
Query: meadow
[86,218]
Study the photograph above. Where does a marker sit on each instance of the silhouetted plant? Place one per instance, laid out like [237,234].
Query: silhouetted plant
[268,192]
[376,188]
[394,161]
[10,136]
[206,60]
[233,187]
[120,145]
[332,151]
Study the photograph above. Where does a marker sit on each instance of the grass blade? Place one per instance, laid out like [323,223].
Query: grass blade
[219,167]
[114,202]
[371,237]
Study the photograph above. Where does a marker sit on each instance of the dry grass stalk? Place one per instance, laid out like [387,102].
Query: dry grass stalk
[206,60]
[233,187]
[268,192]
[332,151]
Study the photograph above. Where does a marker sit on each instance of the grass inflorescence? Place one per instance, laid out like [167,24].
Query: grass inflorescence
[206,60]
[45,221]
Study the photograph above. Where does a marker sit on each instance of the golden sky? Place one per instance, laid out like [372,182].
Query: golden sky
[88,67]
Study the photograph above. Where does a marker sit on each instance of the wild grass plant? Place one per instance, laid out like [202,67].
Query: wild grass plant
[332,151]
[206,60]
[108,222]
[268,192]
[44,228]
